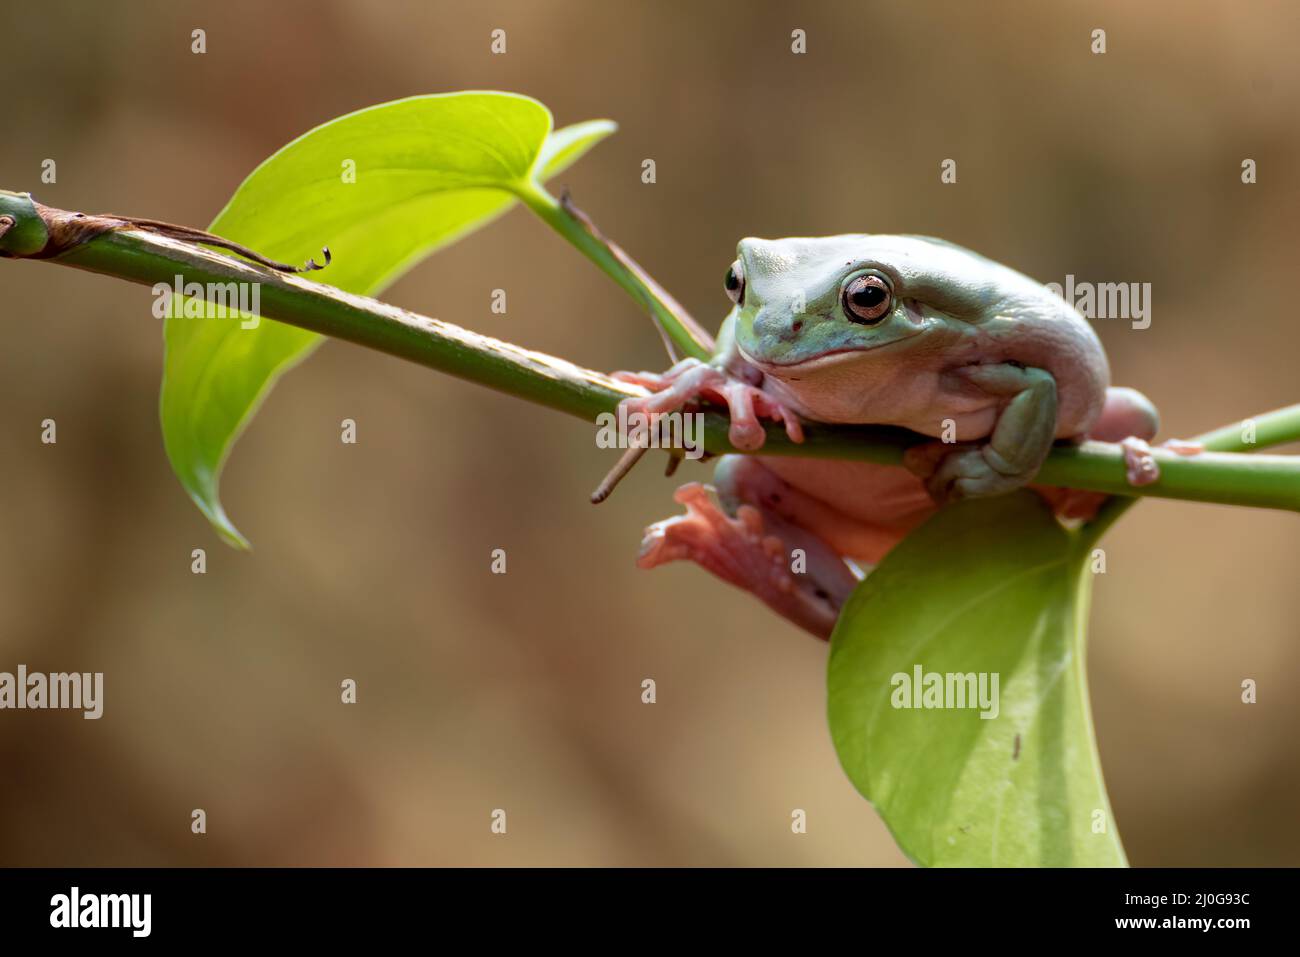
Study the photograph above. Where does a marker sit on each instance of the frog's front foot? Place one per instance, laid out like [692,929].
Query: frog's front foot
[739,550]
[1014,450]
[692,380]
[1140,466]
[964,470]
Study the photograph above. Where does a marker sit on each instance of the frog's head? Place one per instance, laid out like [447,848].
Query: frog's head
[807,304]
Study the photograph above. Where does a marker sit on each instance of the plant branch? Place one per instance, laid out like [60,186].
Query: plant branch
[140,256]
[682,334]
[1259,432]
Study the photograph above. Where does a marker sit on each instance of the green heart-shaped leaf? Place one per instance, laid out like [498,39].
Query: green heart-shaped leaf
[382,187]
[989,587]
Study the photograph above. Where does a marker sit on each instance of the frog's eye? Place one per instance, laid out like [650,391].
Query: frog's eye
[735,284]
[867,299]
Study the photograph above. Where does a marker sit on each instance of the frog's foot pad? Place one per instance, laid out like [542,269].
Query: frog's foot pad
[953,471]
[738,551]
[692,380]
[1140,467]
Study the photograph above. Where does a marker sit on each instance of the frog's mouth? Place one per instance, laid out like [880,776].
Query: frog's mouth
[811,362]
[822,360]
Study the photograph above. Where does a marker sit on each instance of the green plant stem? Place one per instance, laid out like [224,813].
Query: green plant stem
[147,258]
[1258,432]
[1268,429]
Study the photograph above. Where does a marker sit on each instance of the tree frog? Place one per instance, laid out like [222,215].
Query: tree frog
[885,330]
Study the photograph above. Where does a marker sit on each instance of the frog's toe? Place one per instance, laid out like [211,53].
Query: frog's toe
[769,408]
[1183,446]
[658,381]
[1140,465]
[968,473]
[647,380]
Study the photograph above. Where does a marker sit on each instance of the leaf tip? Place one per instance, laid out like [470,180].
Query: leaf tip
[221,523]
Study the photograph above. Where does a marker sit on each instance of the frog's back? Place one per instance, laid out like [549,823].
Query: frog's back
[1026,322]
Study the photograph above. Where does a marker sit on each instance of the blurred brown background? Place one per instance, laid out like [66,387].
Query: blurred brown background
[523,692]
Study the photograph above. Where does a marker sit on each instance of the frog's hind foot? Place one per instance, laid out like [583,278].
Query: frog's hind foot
[1130,419]
[739,550]
[1140,466]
